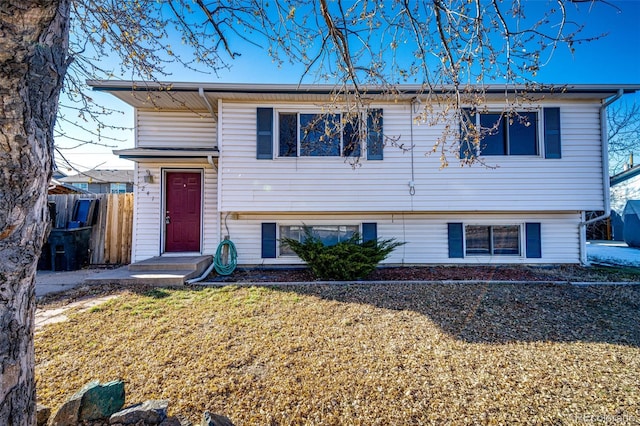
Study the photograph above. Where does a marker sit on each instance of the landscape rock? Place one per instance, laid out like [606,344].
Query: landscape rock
[173,421]
[212,419]
[42,414]
[101,401]
[148,413]
[68,412]
[94,401]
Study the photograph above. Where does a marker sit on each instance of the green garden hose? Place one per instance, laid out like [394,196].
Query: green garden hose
[231,258]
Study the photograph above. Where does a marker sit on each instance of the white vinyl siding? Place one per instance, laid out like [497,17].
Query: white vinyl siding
[148,214]
[327,190]
[425,235]
[516,184]
[175,129]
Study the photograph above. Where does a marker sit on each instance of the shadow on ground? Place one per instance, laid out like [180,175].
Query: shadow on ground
[502,313]
[476,313]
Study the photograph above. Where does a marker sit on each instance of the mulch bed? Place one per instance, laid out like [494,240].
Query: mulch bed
[518,273]
[549,273]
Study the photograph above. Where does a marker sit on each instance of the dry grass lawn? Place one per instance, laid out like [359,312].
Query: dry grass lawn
[366,354]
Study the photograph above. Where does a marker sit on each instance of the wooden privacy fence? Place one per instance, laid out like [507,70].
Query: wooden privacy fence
[111,233]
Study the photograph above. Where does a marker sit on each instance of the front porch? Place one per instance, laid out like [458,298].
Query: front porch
[159,271]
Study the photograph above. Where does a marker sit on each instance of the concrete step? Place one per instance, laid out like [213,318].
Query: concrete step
[126,277]
[158,271]
[160,263]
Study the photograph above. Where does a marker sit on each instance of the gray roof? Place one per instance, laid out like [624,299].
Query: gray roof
[200,96]
[101,176]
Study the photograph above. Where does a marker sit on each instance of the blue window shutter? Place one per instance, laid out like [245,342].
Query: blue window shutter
[534,240]
[268,240]
[369,232]
[552,144]
[264,145]
[375,135]
[456,236]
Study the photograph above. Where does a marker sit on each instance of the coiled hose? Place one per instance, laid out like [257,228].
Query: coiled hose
[230,266]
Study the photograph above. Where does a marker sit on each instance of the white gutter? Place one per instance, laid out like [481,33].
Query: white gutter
[605,174]
[605,159]
[409,90]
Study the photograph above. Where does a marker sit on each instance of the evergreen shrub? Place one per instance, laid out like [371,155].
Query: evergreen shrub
[347,260]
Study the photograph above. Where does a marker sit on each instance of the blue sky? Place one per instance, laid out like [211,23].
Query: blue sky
[614,58]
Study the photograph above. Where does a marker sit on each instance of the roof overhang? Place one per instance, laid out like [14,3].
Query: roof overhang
[626,175]
[56,187]
[141,155]
[197,96]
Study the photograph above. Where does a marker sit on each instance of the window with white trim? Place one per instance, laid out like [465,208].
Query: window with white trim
[328,234]
[492,240]
[118,188]
[81,185]
[320,134]
[502,134]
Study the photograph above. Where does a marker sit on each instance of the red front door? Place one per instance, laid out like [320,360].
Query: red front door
[183,211]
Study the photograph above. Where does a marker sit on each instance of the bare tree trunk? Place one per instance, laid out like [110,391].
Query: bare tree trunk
[33,61]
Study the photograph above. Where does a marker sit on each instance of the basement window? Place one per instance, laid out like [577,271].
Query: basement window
[328,234]
[495,240]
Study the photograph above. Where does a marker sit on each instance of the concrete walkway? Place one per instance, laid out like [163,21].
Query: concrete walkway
[160,271]
[54,282]
[55,315]
[607,252]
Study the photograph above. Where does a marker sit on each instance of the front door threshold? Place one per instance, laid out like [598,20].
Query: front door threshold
[181,254]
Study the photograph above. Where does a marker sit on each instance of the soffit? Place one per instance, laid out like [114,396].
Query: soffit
[186,96]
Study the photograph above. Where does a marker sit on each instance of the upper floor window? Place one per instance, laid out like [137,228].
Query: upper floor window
[302,134]
[319,135]
[501,134]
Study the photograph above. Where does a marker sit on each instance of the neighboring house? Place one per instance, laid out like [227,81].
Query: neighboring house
[625,186]
[102,181]
[230,159]
[56,188]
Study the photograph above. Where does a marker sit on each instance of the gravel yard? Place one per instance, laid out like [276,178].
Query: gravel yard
[360,354]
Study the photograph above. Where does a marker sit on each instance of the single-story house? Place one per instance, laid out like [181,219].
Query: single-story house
[255,162]
[58,188]
[102,181]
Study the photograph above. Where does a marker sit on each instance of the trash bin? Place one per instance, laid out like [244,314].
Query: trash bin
[69,248]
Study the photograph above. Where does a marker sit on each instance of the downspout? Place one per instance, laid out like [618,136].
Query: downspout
[210,161]
[605,175]
[207,103]
[214,117]
[219,179]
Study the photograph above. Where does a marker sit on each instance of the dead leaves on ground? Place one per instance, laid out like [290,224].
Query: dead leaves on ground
[360,354]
